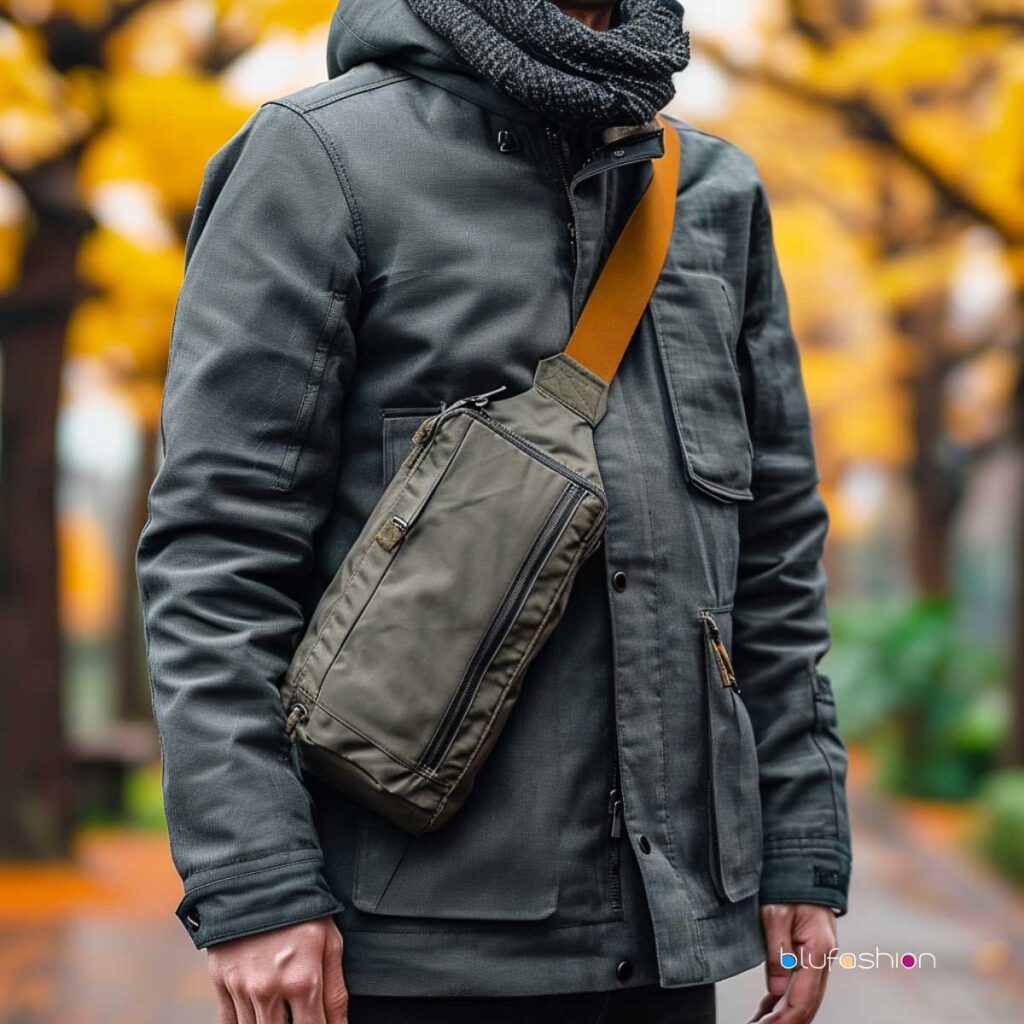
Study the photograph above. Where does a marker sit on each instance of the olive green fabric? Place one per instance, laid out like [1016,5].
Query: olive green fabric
[416,652]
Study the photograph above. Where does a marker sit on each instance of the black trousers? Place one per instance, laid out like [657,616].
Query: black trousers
[644,1005]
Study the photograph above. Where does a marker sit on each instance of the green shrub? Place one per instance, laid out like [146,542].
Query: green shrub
[1002,804]
[143,797]
[926,698]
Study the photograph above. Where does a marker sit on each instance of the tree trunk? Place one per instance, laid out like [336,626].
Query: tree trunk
[35,777]
[935,488]
[133,685]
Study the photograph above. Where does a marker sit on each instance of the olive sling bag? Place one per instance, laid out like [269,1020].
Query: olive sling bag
[416,652]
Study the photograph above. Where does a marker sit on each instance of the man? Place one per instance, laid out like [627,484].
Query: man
[426,225]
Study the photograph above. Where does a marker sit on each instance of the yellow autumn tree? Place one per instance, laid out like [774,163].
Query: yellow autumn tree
[109,110]
[891,135]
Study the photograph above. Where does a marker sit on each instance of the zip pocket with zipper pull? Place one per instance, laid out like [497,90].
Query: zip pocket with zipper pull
[426,431]
[722,660]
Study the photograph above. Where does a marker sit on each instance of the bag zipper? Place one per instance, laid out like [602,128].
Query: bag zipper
[475,406]
[541,549]
[722,659]
[541,456]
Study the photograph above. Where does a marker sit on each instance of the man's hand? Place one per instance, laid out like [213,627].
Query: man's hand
[287,975]
[808,932]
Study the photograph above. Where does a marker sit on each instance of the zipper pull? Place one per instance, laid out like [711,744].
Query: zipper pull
[423,431]
[722,659]
[615,813]
[478,401]
[391,533]
[297,714]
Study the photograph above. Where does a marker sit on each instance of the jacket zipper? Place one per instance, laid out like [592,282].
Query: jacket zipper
[555,141]
[714,635]
[541,549]
[615,823]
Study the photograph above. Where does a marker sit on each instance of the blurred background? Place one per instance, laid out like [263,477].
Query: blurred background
[891,137]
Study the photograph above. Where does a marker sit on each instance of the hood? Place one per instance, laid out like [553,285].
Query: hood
[386,31]
[389,32]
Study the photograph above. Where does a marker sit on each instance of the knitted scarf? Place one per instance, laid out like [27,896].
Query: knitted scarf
[554,64]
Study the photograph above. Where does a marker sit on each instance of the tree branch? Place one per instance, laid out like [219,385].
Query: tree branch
[871,125]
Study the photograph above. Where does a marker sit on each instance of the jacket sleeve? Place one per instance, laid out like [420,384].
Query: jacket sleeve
[261,351]
[780,619]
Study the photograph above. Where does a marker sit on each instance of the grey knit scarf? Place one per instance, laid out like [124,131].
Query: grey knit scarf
[554,64]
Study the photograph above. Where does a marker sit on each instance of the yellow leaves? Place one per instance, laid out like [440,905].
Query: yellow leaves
[128,324]
[891,138]
[89,590]
[41,111]
[86,12]
[257,17]
[910,276]
[852,361]
[894,57]
[169,126]
[164,36]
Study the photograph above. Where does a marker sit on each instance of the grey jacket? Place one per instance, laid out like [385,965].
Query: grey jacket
[402,235]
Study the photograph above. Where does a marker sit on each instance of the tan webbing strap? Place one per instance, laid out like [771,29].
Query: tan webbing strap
[623,289]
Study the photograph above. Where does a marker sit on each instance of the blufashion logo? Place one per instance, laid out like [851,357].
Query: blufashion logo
[867,960]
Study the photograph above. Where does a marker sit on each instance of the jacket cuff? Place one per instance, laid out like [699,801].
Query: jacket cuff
[806,871]
[256,896]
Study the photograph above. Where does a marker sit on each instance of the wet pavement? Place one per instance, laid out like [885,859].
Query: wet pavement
[96,942]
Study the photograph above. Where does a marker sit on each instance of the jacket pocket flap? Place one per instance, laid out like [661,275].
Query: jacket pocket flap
[696,332]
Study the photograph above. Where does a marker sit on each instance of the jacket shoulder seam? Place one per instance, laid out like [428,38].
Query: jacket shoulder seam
[353,90]
[339,171]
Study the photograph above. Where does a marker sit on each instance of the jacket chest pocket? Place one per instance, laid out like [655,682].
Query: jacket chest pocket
[397,428]
[696,332]
[734,800]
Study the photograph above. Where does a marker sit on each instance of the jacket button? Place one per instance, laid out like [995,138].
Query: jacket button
[624,971]
[619,581]
[645,844]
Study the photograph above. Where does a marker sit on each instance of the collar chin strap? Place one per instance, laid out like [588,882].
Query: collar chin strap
[626,283]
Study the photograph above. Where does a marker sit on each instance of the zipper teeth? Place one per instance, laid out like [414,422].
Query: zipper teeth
[615,843]
[565,508]
[556,145]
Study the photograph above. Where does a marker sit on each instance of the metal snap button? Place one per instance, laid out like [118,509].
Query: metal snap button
[619,581]
[644,843]
[508,141]
[624,971]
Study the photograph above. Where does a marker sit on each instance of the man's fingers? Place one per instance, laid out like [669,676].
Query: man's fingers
[270,1009]
[335,995]
[243,1008]
[225,1006]
[777,922]
[306,999]
[766,1005]
[804,995]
